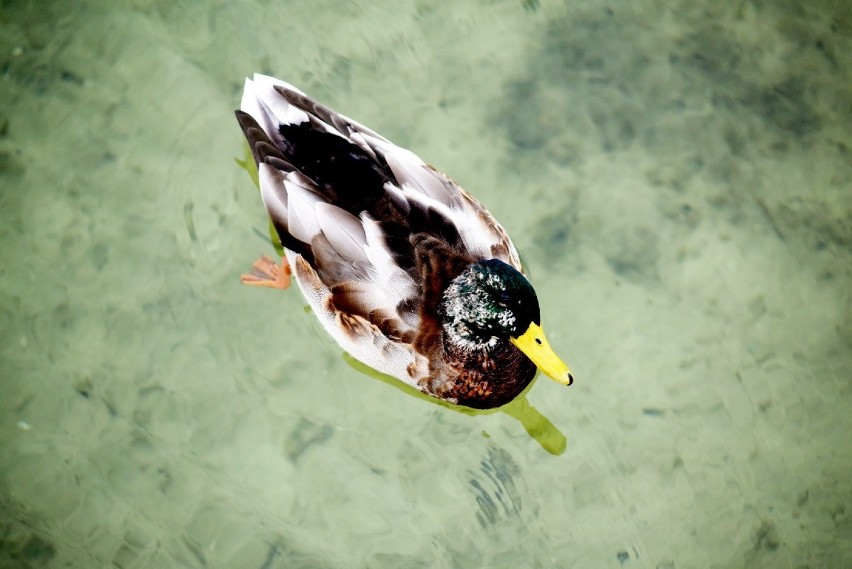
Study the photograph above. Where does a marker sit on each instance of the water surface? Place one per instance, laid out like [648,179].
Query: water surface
[676,177]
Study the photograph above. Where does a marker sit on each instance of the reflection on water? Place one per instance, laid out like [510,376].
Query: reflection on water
[676,175]
[534,423]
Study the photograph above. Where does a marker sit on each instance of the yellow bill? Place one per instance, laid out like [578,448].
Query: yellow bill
[535,346]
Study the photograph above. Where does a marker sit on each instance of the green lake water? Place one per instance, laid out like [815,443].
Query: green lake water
[676,175]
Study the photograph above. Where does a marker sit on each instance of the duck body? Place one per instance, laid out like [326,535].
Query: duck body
[403,268]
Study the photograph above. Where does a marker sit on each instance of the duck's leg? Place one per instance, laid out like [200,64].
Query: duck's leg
[264,272]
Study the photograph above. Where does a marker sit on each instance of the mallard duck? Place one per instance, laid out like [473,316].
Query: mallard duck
[403,268]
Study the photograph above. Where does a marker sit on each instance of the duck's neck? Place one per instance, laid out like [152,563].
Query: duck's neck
[488,375]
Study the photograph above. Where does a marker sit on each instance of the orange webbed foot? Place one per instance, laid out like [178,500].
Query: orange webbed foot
[264,272]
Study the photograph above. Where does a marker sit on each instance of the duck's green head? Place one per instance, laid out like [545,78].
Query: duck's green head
[491,303]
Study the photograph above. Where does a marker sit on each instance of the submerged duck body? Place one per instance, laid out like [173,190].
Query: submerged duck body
[403,268]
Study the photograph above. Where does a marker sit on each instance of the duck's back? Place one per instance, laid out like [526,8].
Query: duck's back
[346,164]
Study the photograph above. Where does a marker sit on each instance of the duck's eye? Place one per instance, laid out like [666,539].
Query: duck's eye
[503,298]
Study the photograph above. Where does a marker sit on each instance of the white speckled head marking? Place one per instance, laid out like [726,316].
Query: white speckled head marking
[488,302]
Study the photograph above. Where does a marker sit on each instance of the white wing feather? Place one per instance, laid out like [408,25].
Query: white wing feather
[301,211]
[273,191]
[343,230]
